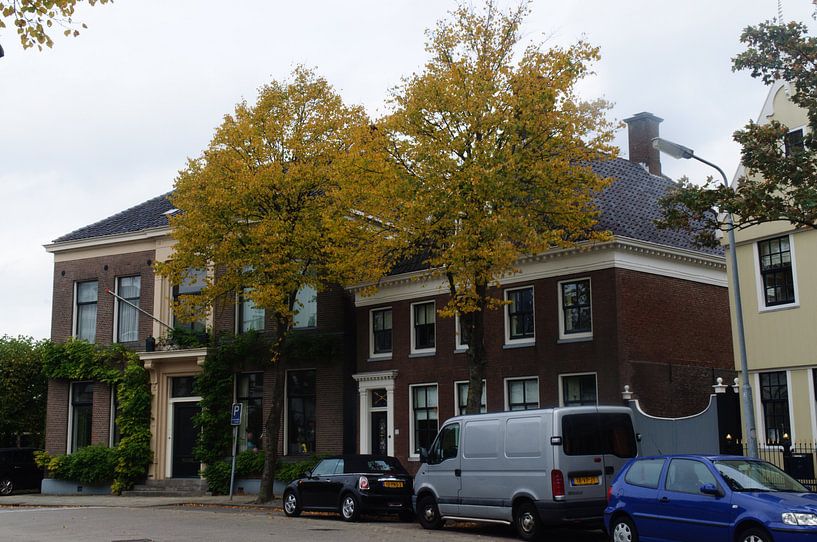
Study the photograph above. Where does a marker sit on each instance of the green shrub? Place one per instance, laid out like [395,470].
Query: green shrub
[218,477]
[249,464]
[91,466]
[286,472]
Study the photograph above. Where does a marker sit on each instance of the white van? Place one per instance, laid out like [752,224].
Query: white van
[532,468]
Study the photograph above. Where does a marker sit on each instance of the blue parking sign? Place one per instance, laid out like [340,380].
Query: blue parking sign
[235,414]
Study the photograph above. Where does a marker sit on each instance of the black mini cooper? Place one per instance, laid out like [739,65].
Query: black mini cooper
[351,485]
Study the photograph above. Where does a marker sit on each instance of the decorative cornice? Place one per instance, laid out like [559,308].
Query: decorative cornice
[93,242]
[371,377]
[150,359]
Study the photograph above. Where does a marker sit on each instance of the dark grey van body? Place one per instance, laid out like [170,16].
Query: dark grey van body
[488,467]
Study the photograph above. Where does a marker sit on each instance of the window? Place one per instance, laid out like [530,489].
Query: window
[519,315]
[306,308]
[86,296]
[446,446]
[601,433]
[645,473]
[687,476]
[523,393]
[381,333]
[793,142]
[579,390]
[422,331]
[777,281]
[301,412]
[250,317]
[127,317]
[463,337]
[192,284]
[423,417]
[327,467]
[182,386]
[462,398]
[82,404]
[774,398]
[576,315]
[250,393]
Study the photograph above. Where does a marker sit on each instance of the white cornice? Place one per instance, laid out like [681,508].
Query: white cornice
[169,356]
[96,242]
[378,376]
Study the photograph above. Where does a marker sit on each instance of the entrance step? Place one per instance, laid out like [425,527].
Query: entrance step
[172,487]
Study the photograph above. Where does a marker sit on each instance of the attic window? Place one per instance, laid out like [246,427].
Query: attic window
[171,212]
[793,142]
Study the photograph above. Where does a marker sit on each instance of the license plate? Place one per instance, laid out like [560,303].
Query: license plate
[392,484]
[585,480]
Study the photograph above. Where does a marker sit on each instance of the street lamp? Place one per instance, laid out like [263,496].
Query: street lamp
[679,151]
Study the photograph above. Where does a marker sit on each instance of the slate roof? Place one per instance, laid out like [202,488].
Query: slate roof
[145,216]
[628,207]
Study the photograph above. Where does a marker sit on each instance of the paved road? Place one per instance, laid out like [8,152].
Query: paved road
[216,523]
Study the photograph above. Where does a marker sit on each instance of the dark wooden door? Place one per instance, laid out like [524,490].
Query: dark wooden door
[184,439]
[380,433]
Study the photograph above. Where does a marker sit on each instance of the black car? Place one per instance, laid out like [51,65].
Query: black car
[18,470]
[351,485]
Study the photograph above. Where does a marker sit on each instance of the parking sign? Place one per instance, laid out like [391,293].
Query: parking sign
[235,416]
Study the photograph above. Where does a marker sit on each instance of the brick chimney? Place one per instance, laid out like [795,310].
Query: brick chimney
[641,129]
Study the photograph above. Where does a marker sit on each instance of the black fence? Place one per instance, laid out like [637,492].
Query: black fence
[797,459]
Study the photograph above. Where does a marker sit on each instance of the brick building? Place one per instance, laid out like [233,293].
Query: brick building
[647,309]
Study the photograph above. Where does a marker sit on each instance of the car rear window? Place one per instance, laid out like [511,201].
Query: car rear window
[598,433]
[379,465]
[645,473]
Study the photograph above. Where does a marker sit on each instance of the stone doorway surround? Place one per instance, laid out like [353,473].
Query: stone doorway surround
[366,383]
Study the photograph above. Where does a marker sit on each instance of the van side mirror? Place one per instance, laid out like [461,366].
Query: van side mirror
[711,489]
[423,455]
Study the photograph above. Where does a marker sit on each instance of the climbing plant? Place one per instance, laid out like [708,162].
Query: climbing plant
[121,369]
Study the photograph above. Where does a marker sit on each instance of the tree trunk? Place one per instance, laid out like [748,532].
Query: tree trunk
[272,425]
[475,323]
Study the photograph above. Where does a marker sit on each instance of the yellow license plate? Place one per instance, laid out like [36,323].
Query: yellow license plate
[392,484]
[585,480]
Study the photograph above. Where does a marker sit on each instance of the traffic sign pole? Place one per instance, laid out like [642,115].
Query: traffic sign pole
[235,421]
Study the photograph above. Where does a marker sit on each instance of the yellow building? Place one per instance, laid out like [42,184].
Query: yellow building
[779,296]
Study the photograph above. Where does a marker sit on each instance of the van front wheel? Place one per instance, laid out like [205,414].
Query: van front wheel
[428,514]
[528,524]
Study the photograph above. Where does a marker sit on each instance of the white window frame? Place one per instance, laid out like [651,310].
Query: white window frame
[75,308]
[457,399]
[561,385]
[803,127]
[239,300]
[760,419]
[117,303]
[303,306]
[507,396]
[422,351]
[573,336]
[381,355]
[761,294]
[411,455]
[458,346]
[70,438]
[526,341]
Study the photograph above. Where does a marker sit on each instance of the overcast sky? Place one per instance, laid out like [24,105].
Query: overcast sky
[104,121]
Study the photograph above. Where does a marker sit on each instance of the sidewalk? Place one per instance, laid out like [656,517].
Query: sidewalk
[41,501]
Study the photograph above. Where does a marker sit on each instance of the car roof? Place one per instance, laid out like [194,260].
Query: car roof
[718,457]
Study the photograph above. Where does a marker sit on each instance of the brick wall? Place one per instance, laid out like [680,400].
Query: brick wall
[56,422]
[101,414]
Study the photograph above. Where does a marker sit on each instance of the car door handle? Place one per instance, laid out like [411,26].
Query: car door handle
[457,472]
[663,499]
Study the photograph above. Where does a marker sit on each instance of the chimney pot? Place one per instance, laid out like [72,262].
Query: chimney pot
[641,129]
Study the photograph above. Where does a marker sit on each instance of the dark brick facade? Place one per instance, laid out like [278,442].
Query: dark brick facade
[665,337]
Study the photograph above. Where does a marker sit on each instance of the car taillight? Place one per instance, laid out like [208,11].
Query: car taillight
[363,483]
[557,483]
[609,493]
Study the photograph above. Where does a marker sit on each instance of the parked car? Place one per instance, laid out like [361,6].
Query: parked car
[351,485]
[708,498]
[18,470]
[530,468]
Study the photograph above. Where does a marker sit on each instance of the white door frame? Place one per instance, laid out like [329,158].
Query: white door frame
[367,382]
[170,402]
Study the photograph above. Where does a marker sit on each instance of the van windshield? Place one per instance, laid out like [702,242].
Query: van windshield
[598,433]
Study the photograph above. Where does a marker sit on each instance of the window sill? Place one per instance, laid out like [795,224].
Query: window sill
[526,344]
[775,308]
[580,339]
[415,458]
[461,350]
[428,354]
[379,358]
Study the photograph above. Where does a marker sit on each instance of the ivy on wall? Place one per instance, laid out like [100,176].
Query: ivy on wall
[121,369]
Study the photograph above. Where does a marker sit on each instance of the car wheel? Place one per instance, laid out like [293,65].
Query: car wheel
[6,486]
[292,507]
[754,534]
[623,530]
[406,516]
[428,514]
[527,522]
[349,509]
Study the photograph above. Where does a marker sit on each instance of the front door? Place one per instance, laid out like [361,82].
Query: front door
[184,464]
[380,440]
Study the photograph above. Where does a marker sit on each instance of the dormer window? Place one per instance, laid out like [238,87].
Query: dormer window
[793,142]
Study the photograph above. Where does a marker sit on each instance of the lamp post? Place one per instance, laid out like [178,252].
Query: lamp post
[679,151]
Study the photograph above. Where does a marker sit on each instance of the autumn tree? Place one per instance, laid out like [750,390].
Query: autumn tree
[24,389]
[779,183]
[486,156]
[36,20]
[258,206]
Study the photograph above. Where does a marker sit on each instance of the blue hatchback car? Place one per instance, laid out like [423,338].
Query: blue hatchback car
[698,498]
